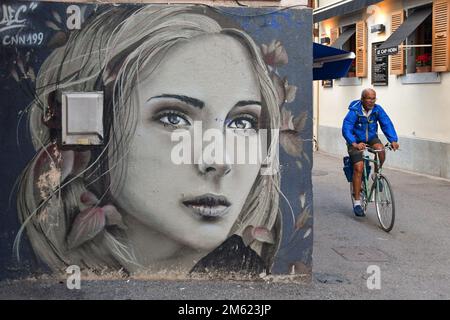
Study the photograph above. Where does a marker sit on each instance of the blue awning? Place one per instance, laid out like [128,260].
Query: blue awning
[330,63]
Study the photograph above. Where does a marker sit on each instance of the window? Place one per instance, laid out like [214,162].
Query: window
[419,45]
[421,38]
[353,38]
[350,45]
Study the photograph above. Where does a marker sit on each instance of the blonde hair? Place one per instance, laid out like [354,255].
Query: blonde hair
[107,54]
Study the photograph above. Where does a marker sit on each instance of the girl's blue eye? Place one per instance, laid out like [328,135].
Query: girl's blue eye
[243,123]
[173,119]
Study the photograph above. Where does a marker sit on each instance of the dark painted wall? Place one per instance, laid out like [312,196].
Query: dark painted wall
[33,31]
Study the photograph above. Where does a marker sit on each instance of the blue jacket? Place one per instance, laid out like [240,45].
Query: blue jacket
[359,128]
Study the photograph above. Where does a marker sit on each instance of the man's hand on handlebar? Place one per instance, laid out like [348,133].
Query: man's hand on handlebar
[395,146]
[360,146]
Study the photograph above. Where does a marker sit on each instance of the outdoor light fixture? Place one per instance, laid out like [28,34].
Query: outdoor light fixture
[325,40]
[377,28]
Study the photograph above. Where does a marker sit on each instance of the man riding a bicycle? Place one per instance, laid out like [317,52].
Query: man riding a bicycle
[360,128]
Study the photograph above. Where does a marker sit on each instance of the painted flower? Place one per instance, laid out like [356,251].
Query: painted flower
[60,37]
[274,54]
[91,221]
[285,91]
[290,130]
[286,120]
[260,234]
[21,68]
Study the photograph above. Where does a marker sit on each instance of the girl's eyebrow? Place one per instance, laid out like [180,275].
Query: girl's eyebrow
[189,100]
[200,104]
[247,102]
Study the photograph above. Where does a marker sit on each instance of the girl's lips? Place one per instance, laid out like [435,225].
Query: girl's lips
[208,206]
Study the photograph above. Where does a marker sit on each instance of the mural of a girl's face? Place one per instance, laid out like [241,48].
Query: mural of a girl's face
[209,79]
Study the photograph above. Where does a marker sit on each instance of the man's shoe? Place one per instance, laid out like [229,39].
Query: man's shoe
[358,210]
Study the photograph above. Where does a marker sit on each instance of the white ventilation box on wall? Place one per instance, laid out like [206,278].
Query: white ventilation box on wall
[82,118]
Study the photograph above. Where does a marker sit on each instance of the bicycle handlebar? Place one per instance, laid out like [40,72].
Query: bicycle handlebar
[388,146]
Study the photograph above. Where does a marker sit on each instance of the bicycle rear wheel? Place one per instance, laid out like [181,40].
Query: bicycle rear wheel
[384,203]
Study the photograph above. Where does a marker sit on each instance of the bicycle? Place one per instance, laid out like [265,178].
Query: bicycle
[379,191]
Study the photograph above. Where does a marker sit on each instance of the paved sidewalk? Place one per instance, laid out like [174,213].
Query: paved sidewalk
[414,259]
[414,256]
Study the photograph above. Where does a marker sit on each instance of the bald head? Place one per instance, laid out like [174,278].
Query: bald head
[367,91]
[368,98]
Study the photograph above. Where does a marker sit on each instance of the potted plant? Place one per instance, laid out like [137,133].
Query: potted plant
[423,63]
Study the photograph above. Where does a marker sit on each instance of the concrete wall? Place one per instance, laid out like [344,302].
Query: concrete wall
[126,204]
[419,111]
[411,157]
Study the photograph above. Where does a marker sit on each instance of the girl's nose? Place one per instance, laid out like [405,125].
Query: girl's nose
[214,167]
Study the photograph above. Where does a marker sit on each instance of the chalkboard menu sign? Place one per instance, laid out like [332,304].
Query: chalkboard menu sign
[380,67]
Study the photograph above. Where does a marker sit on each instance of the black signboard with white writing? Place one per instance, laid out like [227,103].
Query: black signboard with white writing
[380,66]
[387,51]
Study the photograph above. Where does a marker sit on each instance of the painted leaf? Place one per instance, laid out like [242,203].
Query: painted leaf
[274,54]
[300,121]
[301,220]
[74,162]
[52,25]
[81,161]
[88,198]
[302,200]
[306,156]
[264,49]
[281,57]
[269,56]
[88,223]
[14,74]
[20,65]
[31,74]
[290,92]
[57,16]
[291,143]
[68,158]
[272,46]
[113,217]
[58,40]
[247,235]
[307,233]
[286,120]
[260,234]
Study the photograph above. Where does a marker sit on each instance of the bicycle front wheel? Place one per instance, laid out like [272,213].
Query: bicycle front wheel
[384,203]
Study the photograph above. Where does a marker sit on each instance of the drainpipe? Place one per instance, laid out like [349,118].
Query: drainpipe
[316,93]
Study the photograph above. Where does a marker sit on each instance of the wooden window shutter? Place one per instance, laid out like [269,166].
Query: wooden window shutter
[361,49]
[334,34]
[441,41]
[397,60]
